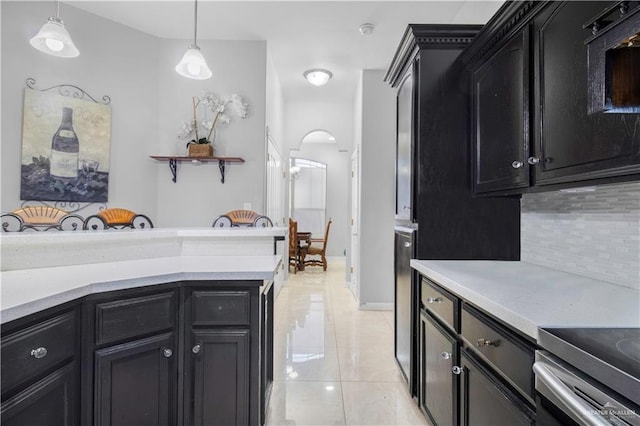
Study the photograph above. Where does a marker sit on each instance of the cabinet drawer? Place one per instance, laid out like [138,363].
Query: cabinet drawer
[32,351]
[220,308]
[131,317]
[501,348]
[440,303]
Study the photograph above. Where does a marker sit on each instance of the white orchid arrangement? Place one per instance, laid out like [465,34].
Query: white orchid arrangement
[219,108]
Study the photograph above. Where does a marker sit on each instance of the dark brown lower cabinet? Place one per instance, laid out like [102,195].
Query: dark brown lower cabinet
[484,400]
[51,401]
[438,385]
[220,379]
[135,383]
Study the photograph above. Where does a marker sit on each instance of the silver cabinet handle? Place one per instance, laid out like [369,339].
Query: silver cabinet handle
[39,353]
[445,355]
[517,164]
[167,352]
[533,160]
[434,299]
[485,342]
[407,244]
[456,370]
[195,349]
[582,410]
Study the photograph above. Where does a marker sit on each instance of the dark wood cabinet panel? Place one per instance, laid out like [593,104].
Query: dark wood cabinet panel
[135,383]
[220,308]
[134,316]
[405,122]
[220,377]
[52,401]
[32,351]
[438,393]
[266,349]
[570,143]
[485,401]
[501,117]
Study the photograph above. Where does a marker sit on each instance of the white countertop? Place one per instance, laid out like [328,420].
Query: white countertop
[528,296]
[28,291]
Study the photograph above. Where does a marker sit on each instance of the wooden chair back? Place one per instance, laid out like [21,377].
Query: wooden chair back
[40,218]
[242,218]
[117,218]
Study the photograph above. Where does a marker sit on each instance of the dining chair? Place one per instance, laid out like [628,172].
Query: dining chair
[318,251]
[117,218]
[294,254]
[242,218]
[40,218]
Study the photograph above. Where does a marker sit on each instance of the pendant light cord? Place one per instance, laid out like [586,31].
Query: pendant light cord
[58,9]
[195,26]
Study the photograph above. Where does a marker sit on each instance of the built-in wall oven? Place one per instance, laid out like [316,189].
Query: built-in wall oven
[588,376]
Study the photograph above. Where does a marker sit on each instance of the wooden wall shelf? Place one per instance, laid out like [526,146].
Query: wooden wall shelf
[174,160]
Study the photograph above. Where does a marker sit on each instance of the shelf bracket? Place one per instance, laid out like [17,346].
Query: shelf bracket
[173,166]
[221,166]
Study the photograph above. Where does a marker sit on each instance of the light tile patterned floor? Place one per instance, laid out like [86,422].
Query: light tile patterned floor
[334,363]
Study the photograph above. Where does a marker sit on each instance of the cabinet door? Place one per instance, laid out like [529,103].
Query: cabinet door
[438,385]
[501,117]
[50,401]
[571,144]
[135,383]
[405,313]
[404,148]
[220,374]
[486,401]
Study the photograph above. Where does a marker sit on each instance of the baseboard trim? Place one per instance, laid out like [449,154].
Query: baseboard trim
[376,306]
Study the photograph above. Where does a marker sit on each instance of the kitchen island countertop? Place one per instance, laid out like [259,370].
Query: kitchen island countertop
[528,296]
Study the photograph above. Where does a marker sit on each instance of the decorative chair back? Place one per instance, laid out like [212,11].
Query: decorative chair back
[117,218]
[319,251]
[40,218]
[294,256]
[242,218]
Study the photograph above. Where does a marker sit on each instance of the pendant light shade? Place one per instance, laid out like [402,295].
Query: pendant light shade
[193,64]
[53,38]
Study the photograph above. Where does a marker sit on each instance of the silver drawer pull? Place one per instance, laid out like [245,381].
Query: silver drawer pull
[434,299]
[456,370]
[485,342]
[407,244]
[167,352]
[533,160]
[517,164]
[196,349]
[445,355]
[39,353]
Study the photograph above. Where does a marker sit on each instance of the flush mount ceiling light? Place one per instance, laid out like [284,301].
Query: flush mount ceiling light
[193,64]
[318,77]
[54,39]
[366,29]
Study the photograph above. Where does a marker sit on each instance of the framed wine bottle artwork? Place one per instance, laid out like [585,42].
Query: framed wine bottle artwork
[66,136]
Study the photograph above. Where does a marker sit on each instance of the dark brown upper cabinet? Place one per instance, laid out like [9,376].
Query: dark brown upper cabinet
[531,90]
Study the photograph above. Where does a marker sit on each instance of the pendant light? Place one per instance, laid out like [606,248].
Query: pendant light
[193,64]
[54,39]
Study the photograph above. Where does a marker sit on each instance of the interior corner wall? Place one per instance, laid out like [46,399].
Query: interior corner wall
[336,118]
[377,190]
[149,100]
[198,196]
[274,106]
[114,60]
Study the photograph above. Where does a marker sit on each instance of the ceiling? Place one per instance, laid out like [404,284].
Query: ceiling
[300,34]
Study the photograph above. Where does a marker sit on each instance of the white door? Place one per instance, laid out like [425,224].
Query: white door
[355,220]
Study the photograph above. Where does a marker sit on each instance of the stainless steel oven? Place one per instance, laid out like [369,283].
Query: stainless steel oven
[588,377]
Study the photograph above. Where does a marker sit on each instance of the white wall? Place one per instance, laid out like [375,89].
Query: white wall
[336,118]
[274,106]
[377,191]
[199,196]
[149,100]
[114,60]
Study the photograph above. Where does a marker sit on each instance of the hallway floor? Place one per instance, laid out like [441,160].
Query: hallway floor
[333,364]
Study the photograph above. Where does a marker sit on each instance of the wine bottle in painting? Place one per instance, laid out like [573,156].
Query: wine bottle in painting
[65,149]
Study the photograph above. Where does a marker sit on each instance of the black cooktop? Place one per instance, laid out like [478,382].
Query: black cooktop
[610,355]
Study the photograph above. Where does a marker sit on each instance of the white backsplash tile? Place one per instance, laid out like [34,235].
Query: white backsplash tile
[595,234]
